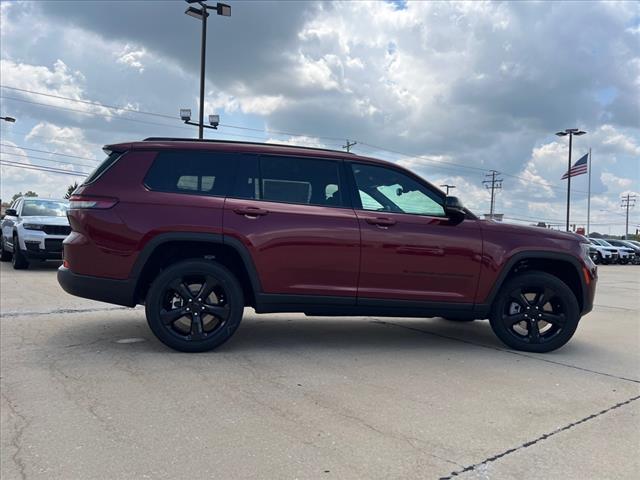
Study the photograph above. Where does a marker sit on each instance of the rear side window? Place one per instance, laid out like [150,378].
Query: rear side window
[300,180]
[106,163]
[201,173]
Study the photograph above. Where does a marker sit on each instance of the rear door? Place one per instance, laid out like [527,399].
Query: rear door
[410,249]
[293,216]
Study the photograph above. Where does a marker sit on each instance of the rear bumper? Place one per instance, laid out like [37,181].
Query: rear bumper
[120,292]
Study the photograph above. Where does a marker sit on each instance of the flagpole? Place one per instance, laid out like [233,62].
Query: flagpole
[589,196]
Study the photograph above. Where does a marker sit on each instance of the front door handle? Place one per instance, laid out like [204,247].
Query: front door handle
[251,212]
[382,222]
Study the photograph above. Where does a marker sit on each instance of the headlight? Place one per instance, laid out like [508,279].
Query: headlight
[32,226]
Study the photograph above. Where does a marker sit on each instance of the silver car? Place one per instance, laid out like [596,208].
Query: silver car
[33,229]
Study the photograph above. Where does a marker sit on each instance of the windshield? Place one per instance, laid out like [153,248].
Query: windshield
[604,243]
[44,208]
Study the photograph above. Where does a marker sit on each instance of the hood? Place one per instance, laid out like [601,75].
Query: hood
[532,231]
[46,220]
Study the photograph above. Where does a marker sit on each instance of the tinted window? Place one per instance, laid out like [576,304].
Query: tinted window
[110,160]
[300,180]
[203,173]
[247,183]
[386,189]
[45,208]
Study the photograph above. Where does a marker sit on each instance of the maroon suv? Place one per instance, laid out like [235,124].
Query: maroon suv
[197,230]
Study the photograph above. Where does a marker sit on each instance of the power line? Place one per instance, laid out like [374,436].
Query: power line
[67,162]
[161,115]
[27,166]
[47,151]
[264,130]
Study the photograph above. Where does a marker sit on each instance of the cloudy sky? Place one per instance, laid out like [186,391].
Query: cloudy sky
[451,90]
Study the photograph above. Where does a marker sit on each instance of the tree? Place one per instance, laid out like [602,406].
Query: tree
[20,194]
[70,189]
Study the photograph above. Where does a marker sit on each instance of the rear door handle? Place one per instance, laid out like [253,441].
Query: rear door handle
[251,212]
[381,222]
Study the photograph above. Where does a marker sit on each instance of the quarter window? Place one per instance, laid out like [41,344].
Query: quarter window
[203,173]
[386,189]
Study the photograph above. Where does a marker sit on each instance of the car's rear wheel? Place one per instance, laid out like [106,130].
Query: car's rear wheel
[18,260]
[194,305]
[5,255]
[535,312]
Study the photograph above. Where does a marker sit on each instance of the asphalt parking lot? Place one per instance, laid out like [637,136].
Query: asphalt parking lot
[88,393]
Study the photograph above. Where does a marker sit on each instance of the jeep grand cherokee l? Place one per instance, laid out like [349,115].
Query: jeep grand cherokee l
[197,230]
[33,229]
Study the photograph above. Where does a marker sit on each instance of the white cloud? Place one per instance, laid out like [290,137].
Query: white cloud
[59,80]
[68,140]
[132,57]
[613,182]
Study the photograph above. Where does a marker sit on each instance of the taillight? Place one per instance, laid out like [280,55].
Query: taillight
[85,202]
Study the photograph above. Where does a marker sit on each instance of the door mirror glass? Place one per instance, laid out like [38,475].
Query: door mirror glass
[11,212]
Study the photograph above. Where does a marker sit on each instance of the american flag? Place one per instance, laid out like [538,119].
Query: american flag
[579,168]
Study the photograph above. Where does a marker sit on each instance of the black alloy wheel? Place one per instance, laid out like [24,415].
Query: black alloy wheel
[535,312]
[194,305]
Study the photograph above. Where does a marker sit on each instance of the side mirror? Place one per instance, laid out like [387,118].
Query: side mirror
[454,209]
[11,212]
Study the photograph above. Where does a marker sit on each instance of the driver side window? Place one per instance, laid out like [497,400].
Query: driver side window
[388,190]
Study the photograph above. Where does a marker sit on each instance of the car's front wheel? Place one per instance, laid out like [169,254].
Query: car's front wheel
[535,312]
[5,255]
[194,305]
[18,260]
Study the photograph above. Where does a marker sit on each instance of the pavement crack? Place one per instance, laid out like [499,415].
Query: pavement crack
[504,350]
[61,311]
[538,439]
[16,438]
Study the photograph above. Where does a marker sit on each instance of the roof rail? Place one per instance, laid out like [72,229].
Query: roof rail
[239,142]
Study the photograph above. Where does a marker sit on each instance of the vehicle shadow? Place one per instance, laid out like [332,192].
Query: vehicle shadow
[274,332]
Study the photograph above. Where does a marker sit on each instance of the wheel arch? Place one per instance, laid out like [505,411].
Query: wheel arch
[561,265]
[168,248]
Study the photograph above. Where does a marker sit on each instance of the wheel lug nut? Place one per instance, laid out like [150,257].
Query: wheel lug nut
[199,299]
[190,300]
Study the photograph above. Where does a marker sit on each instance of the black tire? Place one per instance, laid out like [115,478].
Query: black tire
[18,260]
[598,259]
[187,319]
[548,300]
[5,255]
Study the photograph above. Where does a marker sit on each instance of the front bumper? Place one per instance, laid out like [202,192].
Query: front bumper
[120,292]
[38,245]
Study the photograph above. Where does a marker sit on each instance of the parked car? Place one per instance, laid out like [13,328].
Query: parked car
[631,249]
[197,230]
[600,254]
[33,229]
[625,255]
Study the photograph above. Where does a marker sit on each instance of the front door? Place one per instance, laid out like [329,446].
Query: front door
[410,249]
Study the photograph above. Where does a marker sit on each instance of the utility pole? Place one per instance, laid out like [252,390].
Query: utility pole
[628,201]
[493,185]
[448,187]
[348,146]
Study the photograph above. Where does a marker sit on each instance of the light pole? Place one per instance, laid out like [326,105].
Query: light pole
[202,14]
[571,132]
[8,119]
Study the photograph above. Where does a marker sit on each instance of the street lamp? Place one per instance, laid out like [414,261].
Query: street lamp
[8,119]
[185,116]
[202,14]
[571,132]
[448,187]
